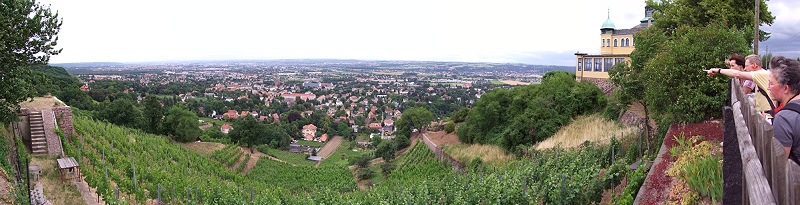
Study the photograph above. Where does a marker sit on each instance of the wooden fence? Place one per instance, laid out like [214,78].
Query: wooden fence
[767,177]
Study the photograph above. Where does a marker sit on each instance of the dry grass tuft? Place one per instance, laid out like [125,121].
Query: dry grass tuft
[56,191]
[489,154]
[593,128]
[203,147]
[39,103]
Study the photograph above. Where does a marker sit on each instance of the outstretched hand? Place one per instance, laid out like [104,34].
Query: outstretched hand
[711,72]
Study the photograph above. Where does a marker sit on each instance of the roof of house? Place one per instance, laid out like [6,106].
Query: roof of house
[608,24]
[227,126]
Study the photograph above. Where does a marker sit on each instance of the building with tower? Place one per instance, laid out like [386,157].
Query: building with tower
[616,46]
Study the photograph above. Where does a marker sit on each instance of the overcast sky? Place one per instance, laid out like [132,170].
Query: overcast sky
[524,31]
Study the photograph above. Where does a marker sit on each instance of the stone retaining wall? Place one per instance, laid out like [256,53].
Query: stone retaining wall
[64,116]
[443,156]
[604,84]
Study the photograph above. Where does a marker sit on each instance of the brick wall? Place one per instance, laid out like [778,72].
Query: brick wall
[53,142]
[63,115]
[604,84]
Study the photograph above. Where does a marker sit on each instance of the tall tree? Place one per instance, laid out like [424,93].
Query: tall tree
[122,112]
[153,114]
[182,124]
[414,118]
[28,32]
[669,15]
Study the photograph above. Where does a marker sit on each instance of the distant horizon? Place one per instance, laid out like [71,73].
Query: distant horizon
[444,31]
[289,59]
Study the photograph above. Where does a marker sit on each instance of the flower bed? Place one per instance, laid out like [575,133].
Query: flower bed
[659,185]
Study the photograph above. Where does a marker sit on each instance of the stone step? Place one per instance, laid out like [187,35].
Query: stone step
[37,131]
[41,143]
[39,147]
[35,135]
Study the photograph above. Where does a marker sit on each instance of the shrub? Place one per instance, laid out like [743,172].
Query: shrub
[612,110]
[476,163]
[262,148]
[363,161]
[387,168]
[365,173]
[450,127]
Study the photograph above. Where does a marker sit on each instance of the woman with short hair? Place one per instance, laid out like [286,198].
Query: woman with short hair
[784,87]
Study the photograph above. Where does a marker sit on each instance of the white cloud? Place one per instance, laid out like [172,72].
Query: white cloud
[495,31]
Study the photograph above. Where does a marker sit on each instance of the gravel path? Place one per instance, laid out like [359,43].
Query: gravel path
[329,147]
[88,195]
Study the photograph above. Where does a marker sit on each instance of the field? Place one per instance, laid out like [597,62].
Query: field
[203,147]
[140,163]
[39,103]
[489,154]
[514,82]
[291,158]
[387,73]
[593,128]
[509,82]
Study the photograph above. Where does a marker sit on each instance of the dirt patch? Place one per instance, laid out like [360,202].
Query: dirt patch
[206,126]
[250,163]
[203,147]
[254,157]
[330,147]
[40,103]
[240,160]
[442,138]
[514,82]
[58,191]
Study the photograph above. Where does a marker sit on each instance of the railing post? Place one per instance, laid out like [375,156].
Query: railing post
[777,173]
[793,182]
[731,161]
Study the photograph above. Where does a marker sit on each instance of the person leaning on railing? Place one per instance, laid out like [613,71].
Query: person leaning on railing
[784,86]
[736,62]
[753,71]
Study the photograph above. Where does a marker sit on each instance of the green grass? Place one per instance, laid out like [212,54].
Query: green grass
[340,156]
[309,143]
[291,158]
[498,82]
[217,123]
[377,177]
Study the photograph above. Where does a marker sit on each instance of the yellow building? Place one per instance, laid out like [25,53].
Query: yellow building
[616,46]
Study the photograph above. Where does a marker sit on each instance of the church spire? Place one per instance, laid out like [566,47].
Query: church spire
[608,24]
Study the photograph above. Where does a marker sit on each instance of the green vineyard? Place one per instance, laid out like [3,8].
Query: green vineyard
[146,167]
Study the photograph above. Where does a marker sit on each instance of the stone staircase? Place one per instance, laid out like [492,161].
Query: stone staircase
[38,139]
